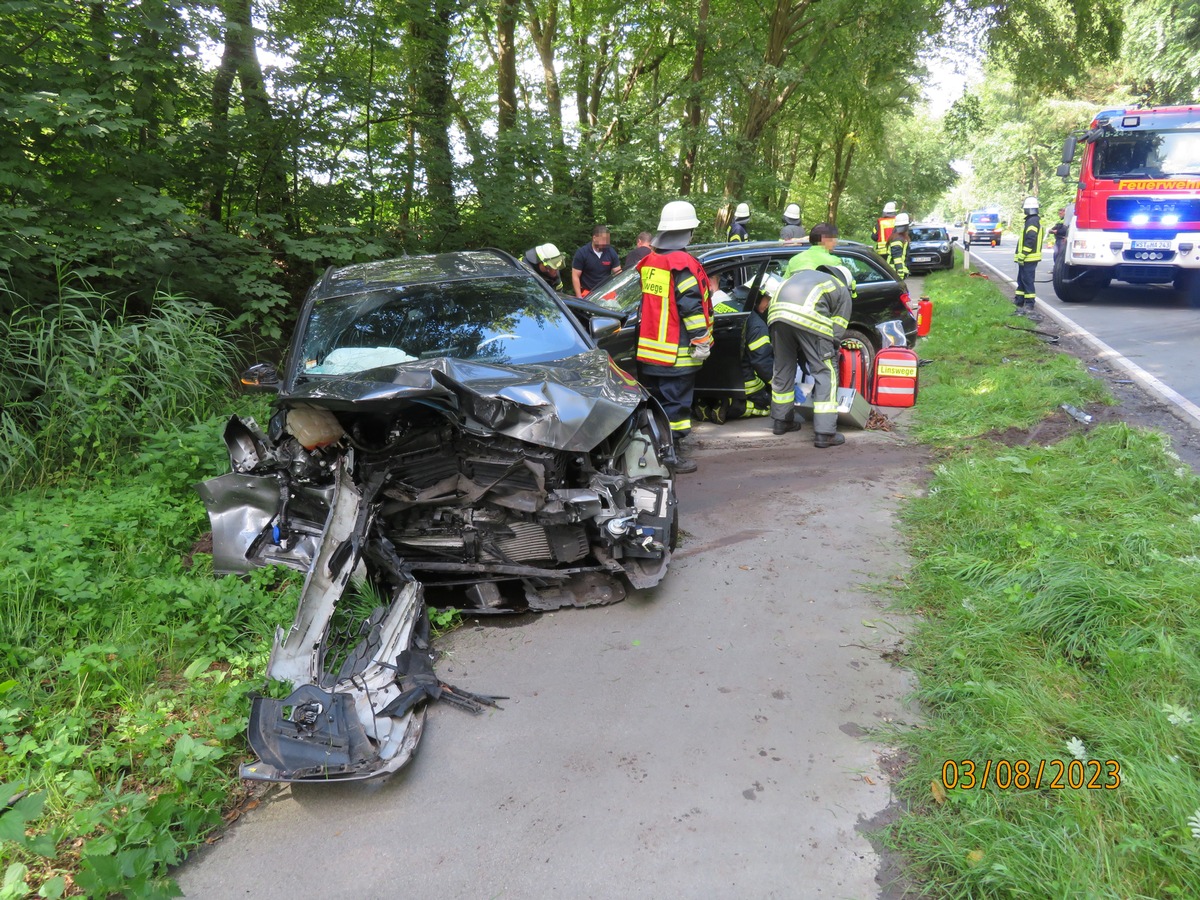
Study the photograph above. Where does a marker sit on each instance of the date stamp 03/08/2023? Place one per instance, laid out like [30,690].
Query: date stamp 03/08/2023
[1023,775]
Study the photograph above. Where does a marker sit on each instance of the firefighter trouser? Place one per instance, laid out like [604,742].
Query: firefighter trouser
[792,346]
[672,387]
[1025,293]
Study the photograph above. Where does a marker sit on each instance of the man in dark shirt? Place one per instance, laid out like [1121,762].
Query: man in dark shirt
[594,262]
[642,250]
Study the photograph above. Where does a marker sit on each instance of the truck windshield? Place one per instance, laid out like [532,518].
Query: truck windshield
[1148,155]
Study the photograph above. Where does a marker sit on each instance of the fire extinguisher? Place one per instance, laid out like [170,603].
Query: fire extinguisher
[924,316]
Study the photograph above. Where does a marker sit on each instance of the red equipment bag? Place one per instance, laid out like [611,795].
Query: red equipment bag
[852,370]
[895,382]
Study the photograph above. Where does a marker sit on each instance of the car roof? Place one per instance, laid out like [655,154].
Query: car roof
[465,265]
[704,252]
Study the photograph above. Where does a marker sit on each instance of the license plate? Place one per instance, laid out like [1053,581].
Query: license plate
[922,259]
[1150,245]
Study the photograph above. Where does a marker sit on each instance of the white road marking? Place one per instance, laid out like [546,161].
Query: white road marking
[1188,411]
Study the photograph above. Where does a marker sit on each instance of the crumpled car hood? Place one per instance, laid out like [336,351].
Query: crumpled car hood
[571,404]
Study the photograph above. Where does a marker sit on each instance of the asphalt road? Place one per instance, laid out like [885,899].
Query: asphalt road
[1151,326]
[706,739]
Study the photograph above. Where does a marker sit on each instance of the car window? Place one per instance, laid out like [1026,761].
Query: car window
[621,292]
[863,271]
[929,234]
[984,219]
[499,320]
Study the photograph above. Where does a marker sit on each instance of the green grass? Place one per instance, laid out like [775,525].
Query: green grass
[1059,589]
[124,673]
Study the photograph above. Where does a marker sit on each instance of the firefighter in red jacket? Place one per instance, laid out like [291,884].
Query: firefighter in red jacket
[675,328]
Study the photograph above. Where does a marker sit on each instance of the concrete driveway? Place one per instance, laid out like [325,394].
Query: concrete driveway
[705,739]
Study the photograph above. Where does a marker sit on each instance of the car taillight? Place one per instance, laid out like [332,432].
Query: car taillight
[908,302]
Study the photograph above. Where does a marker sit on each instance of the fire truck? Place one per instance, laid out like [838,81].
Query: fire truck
[1136,215]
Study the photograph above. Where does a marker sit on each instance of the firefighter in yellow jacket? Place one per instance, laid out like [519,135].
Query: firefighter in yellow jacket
[807,318]
[675,329]
[1028,255]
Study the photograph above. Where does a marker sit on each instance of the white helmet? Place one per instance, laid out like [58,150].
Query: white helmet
[901,219]
[742,211]
[549,255]
[678,215]
[889,208]
[792,211]
[1030,203]
[770,284]
[842,273]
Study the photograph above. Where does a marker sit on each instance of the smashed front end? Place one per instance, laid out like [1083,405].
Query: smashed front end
[485,487]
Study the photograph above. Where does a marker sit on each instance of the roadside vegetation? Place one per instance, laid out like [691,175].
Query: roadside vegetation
[1055,585]
[124,664]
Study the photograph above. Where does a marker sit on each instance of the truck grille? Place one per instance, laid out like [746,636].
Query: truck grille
[1123,209]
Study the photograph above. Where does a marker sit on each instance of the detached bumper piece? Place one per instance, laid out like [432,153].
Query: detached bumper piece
[310,735]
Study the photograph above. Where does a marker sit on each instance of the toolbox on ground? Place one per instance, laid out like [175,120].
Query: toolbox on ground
[853,408]
[895,377]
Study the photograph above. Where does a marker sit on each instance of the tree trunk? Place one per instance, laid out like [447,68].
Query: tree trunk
[240,60]
[506,71]
[544,33]
[432,110]
[695,109]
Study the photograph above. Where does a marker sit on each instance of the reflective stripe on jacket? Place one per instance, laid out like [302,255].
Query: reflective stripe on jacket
[883,231]
[676,309]
[897,256]
[1029,248]
[812,301]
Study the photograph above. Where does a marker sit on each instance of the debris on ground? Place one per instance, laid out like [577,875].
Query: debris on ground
[877,421]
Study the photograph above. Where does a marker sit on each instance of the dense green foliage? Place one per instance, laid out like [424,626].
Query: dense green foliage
[1057,589]
[230,149]
[124,670]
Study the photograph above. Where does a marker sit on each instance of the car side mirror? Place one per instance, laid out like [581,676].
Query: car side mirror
[1063,171]
[261,378]
[603,326]
[953,238]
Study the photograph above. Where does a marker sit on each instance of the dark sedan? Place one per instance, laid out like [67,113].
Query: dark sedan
[930,248]
[445,431]
[738,270]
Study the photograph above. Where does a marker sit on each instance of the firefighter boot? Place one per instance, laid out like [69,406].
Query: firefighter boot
[683,465]
[821,441]
[783,426]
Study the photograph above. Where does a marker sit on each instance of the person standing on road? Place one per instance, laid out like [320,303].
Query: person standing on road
[594,262]
[1060,234]
[675,333]
[1028,255]
[883,228]
[638,253]
[737,228]
[897,246]
[547,261]
[807,319]
[791,230]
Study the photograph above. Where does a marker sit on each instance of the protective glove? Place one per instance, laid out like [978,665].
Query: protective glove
[701,351]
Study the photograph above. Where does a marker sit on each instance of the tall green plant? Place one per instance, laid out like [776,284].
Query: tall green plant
[81,386]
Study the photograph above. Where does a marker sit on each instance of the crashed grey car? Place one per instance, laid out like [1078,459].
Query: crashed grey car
[446,433]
